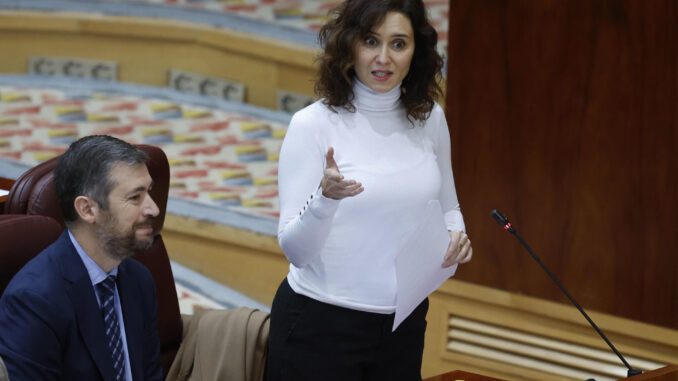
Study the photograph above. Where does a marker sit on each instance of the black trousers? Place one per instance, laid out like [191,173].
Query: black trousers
[315,341]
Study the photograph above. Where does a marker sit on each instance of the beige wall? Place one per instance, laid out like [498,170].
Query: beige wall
[146,49]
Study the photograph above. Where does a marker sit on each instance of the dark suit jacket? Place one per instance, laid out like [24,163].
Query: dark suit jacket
[51,327]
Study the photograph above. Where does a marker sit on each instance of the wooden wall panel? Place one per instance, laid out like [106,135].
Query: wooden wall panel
[145,49]
[564,115]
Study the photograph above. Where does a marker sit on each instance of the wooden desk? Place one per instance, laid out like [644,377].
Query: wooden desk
[667,373]
[5,184]
[460,375]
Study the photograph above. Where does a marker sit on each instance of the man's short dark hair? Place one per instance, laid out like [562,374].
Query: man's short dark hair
[84,170]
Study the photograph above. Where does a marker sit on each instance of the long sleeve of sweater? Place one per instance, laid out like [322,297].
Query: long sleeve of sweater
[448,194]
[305,214]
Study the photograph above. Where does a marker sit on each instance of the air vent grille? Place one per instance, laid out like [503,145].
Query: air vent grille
[540,353]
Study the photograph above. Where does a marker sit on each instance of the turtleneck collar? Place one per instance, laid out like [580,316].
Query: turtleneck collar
[370,100]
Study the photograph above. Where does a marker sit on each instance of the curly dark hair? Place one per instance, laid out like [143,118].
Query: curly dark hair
[353,21]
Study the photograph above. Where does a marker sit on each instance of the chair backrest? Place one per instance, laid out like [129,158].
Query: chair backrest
[34,194]
[20,243]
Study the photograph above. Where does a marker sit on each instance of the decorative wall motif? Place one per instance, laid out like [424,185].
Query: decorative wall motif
[215,157]
[302,14]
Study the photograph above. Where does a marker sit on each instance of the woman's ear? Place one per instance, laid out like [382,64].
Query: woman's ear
[86,208]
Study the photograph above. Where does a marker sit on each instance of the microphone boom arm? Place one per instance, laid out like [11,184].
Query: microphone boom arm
[503,221]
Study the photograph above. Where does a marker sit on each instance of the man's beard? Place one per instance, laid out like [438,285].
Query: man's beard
[121,245]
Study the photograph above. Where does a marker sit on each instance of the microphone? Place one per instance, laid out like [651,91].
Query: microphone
[504,222]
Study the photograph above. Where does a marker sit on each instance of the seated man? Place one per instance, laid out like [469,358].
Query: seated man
[81,310]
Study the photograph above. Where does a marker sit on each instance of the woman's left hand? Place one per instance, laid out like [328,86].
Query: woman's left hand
[460,250]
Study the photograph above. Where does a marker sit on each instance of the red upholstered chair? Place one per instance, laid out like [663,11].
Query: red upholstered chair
[20,243]
[34,194]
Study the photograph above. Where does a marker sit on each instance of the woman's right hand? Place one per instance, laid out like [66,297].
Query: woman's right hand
[333,184]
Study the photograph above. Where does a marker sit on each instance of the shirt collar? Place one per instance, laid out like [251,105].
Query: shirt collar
[96,273]
[370,100]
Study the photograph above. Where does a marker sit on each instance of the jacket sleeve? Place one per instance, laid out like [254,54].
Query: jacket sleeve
[152,365]
[29,344]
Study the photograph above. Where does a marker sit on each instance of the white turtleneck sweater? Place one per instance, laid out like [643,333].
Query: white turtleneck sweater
[343,252]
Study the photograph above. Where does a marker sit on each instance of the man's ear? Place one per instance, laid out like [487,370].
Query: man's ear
[87,209]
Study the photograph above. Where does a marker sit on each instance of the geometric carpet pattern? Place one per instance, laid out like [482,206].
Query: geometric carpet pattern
[216,157]
[195,291]
[300,14]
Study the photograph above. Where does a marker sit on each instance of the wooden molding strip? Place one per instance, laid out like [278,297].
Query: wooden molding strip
[221,233]
[146,49]
[159,29]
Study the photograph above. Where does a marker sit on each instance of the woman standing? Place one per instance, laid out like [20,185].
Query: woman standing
[357,169]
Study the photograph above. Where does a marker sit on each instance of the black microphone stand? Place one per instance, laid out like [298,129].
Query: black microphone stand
[503,221]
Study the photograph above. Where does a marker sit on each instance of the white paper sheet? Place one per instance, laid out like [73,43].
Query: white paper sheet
[419,269]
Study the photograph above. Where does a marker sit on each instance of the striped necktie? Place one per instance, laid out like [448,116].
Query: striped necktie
[106,290]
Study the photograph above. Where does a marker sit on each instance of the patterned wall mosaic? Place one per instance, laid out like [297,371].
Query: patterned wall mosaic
[302,14]
[216,158]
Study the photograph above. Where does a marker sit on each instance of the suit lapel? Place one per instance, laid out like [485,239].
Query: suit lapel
[90,322]
[133,317]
